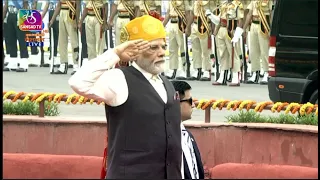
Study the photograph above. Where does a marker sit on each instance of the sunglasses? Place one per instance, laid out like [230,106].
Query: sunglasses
[190,101]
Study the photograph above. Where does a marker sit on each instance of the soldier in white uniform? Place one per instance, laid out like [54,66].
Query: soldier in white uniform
[5,29]
[228,35]
[51,5]
[180,22]
[200,32]
[95,25]
[260,17]
[14,34]
[69,12]
[127,10]
[150,7]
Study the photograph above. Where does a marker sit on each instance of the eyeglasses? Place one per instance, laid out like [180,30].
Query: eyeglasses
[157,47]
[190,101]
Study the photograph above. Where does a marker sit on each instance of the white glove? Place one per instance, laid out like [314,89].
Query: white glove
[237,35]
[213,18]
[208,12]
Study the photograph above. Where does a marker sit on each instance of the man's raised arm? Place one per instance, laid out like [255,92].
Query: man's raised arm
[96,79]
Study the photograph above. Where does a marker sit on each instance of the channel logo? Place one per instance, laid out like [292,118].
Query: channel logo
[30,20]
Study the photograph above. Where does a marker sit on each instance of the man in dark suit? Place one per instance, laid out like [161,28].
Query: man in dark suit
[193,168]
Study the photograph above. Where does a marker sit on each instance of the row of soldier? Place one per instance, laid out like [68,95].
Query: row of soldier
[216,28]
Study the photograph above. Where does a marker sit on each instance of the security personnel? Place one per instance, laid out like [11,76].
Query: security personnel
[179,15]
[69,12]
[260,16]
[200,32]
[149,7]
[95,26]
[34,60]
[5,27]
[84,48]
[228,35]
[14,34]
[51,6]
[127,10]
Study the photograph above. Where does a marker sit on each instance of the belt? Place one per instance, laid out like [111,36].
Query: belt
[64,8]
[91,12]
[255,22]
[174,21]
[123,14]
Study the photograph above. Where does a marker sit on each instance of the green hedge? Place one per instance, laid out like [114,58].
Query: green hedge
[253,117]
[29,108]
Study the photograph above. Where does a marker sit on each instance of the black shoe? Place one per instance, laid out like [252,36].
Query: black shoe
[70,66]
[45,65]
[64,72]
[7,69]
[191,78]
[263,83]
[22,70]
[205,79]
[181,78]
[33,65]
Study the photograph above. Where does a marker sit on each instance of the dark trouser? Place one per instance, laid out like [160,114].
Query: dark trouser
[84,50]
[5,27]
[34,49]
[55,28]
[14,34]
[5,37]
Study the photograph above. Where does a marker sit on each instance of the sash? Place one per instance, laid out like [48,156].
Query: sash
[97,13]
[182,21]
[265,20]
[146,7]
[203,25]
[72,9]
[128,8]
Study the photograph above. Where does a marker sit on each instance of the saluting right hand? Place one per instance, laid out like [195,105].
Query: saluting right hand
[130,50]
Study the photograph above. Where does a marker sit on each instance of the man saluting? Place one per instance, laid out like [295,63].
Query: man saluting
[142,108]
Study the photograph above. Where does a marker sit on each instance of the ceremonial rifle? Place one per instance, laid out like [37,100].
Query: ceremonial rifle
[51,69]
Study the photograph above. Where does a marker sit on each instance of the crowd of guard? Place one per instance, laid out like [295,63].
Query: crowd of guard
[222,35]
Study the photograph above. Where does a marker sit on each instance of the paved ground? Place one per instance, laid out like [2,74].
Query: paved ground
[39,80]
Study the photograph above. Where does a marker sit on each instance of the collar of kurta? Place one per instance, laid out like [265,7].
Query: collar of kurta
[146,74]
